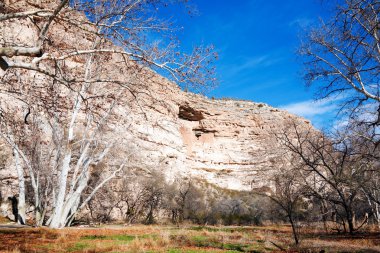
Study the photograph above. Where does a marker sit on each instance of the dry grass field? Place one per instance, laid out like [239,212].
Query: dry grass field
[173,239]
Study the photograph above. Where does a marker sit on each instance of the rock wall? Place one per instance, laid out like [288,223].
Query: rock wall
[228,143]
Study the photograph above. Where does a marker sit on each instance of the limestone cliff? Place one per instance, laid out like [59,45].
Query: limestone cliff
[228,143]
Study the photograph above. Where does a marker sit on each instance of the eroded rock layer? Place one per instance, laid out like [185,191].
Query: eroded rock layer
[228,143]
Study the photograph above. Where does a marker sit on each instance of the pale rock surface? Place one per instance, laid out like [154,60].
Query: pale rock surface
[228,143]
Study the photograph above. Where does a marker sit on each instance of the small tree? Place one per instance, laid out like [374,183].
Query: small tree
[288,195]
[178,197]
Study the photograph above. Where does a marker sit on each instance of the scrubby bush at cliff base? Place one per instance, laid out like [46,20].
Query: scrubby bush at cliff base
[150,199]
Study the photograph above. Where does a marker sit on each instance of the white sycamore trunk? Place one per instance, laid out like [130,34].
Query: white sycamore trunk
[21,186]
[67,203]
[56,220]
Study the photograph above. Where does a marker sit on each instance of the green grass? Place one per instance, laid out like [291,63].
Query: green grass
[122,237]
[235,246]
[107,241]
[127,238]
[78,246]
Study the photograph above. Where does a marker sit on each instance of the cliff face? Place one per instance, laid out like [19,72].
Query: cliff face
[227,143]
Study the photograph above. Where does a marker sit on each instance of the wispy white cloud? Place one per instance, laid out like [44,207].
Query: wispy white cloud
[324,113]
[366,113]
[321,113]
[311,108]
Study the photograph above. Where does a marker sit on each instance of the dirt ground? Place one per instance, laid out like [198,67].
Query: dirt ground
[172,239]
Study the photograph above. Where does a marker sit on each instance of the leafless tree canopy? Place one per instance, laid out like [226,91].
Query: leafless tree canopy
[335,172]
[132,25]
[342,56]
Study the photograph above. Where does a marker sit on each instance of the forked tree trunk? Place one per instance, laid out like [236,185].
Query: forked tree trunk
[56,221]
[64,204]
[374,207]
[69,205]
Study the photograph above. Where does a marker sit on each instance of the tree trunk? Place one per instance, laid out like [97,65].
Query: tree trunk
[149,218]
[294,229]
[70,206]
[351,227]
[56,221]
[324,215]
[350,220]
[21,188]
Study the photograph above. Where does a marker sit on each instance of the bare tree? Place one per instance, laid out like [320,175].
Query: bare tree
[288,194]
[60,161]
[178,196]
[332,169]
[342,56]
[61,104]
[363,141]
[141,196]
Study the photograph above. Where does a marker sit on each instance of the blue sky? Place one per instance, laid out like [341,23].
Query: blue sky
[257,42]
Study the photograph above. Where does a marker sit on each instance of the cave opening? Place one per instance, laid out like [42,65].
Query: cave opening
[188,113]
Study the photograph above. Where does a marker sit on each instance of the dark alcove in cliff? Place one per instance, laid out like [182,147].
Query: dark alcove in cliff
[188,113]
[199,131]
